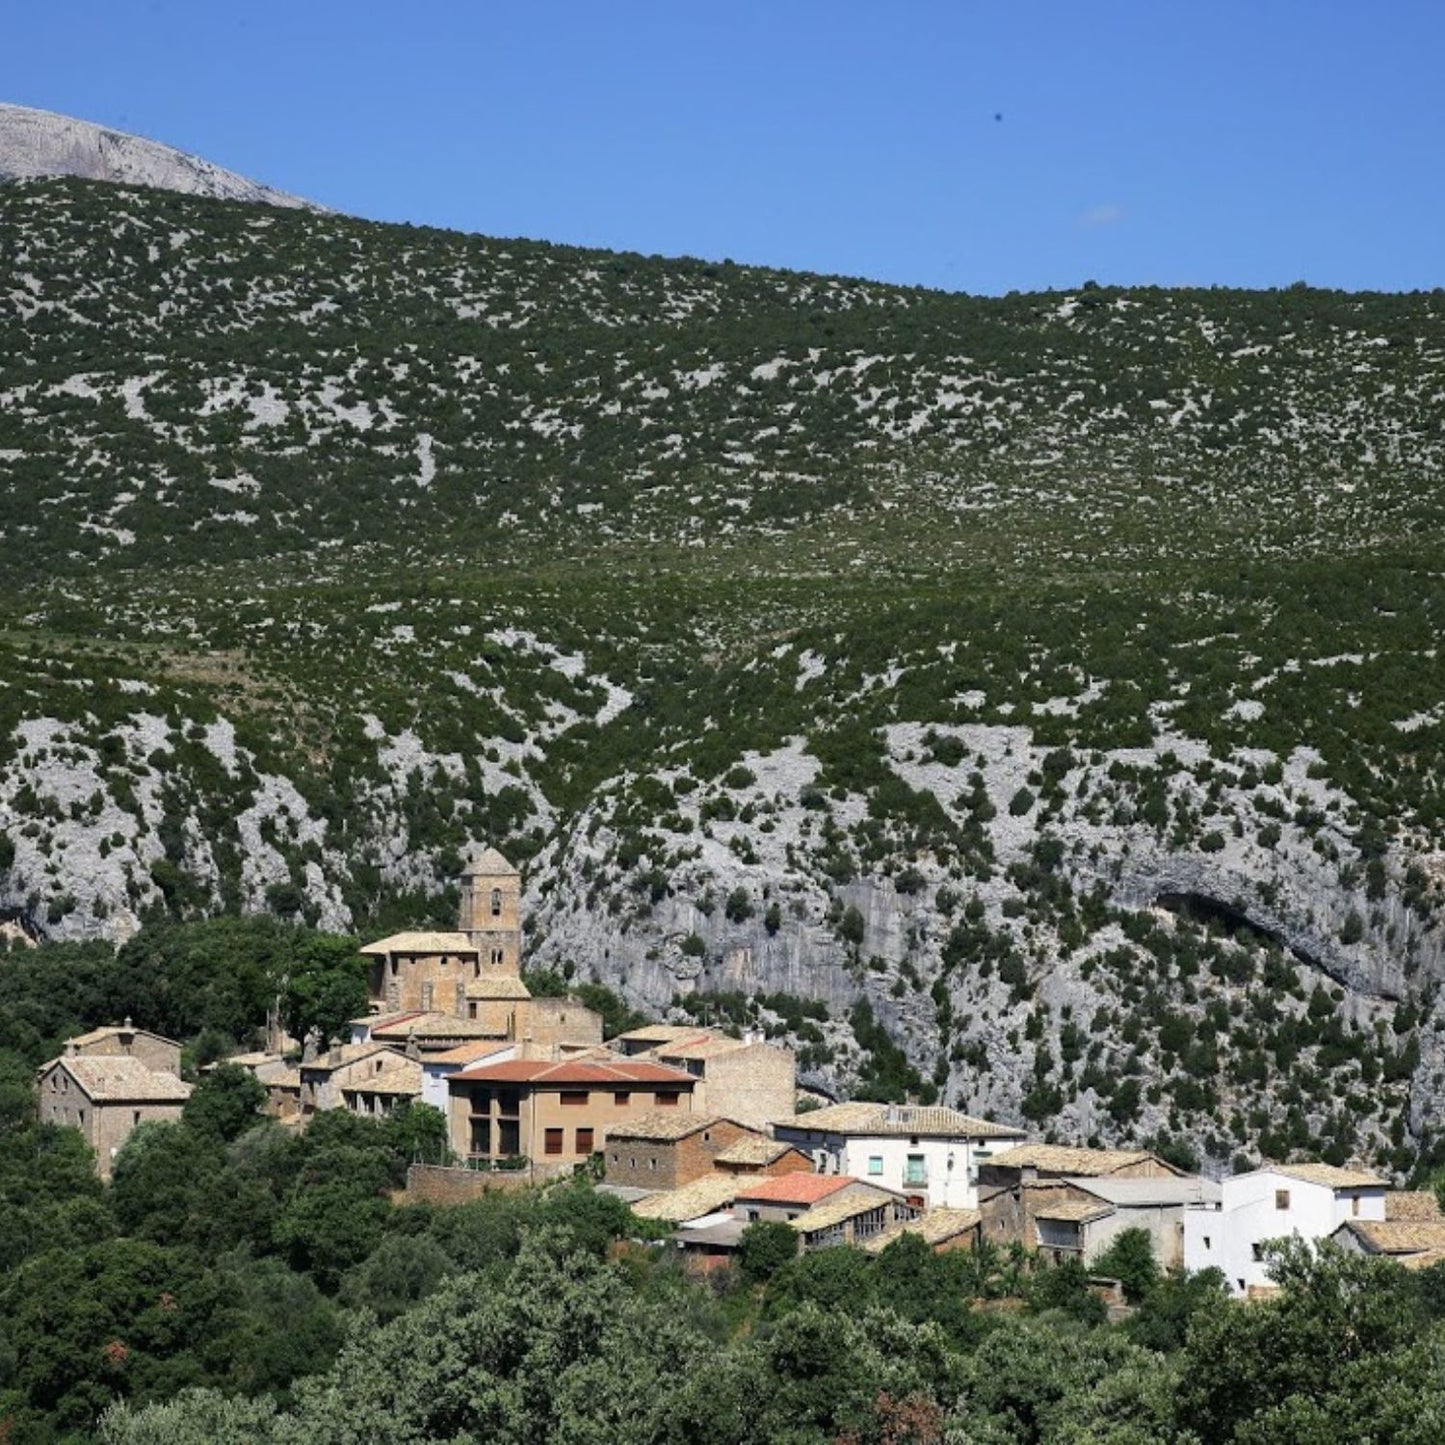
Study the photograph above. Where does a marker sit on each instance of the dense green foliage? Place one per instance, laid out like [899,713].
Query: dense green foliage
[551,1343]
[212,981]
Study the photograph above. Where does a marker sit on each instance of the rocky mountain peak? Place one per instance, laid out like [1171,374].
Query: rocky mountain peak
[38,143]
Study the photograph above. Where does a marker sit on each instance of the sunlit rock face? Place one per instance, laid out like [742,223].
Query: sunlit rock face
[35,143]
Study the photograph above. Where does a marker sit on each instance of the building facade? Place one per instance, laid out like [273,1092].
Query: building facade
[932,1155]
[666,1149]
[1301,1201]
[106,1097]
[556,1115]
[746,1079]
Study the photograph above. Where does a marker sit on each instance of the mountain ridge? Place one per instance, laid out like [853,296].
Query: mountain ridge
[41,143]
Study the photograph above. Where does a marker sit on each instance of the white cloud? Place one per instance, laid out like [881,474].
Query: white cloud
[1105,215]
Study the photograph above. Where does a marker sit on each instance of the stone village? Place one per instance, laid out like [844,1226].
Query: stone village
[702,1131]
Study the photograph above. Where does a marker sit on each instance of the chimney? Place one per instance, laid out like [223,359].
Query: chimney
[334,1055]
[413,1049]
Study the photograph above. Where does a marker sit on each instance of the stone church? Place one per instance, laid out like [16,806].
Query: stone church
[474,975]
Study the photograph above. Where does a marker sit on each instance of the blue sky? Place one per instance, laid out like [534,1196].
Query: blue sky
[985,147]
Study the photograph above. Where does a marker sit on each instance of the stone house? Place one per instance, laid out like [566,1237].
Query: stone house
[280,1078]
[1010,1184]
[555,1114]
[326,1078]
[746,1079]
[106,1096]
[665,1149]
[756,1154]
[636,1042]
[852,1216]
[126,1041]
[783,1198]
[1398,1239]
[1304,1201]
[940,1229]
[929,1153]
[374,1092]
[1081,1217]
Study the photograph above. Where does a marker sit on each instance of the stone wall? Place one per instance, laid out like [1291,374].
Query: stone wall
[438,1185]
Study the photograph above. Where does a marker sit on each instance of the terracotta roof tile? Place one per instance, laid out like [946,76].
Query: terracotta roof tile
[570,1071]
[1398,1236]
[692,1201]
[403,1077]
[472,1053]
[119,1078]
[936,1226]
[1328,1175]
[796,1188]
[1411,1204]
[754,1149]
[662,1125]
[1063,1159]
[110,1031]
[499,986]
[657,1034]
[897,1120]
[488,862]
[842,1207]
[421,944]
[1074,1211]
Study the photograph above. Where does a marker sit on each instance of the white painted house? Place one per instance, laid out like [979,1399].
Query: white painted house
[1305,1201]
[927,1153]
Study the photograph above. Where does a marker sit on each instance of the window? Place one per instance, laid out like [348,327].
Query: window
[875,1163]
[1281,1198]
[1257,1250]
[496,902]
[667,1098]
[1206,1242]
[497,956]
[135,1116]
[621,1099]
[754,1215]
[471,1010]
[552,1143]
[574,1098]
[1355,1205]
[916,1170]
[584,1141]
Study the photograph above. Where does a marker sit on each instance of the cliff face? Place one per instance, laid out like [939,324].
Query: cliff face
[1012,992]
[38,143]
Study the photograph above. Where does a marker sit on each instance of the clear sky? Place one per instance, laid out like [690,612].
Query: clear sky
[978,145]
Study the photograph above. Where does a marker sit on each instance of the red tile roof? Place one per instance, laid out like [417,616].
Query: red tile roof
[575,1072]
[796,1188]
